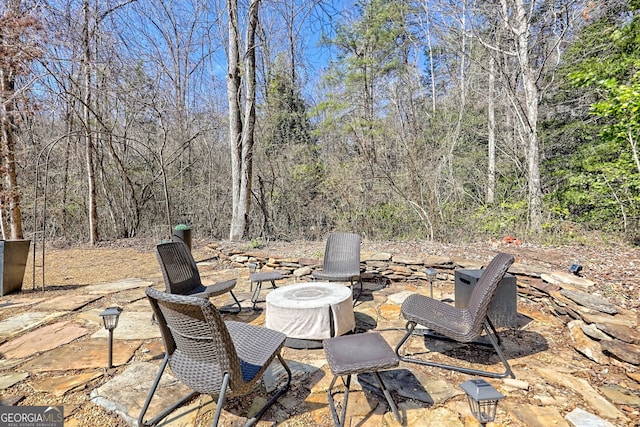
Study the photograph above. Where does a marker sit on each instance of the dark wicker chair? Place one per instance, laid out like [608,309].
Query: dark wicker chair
[181,274]
[341,261]
[463,325]
[224,359]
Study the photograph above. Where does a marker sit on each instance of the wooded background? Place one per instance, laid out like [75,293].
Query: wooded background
[288,119]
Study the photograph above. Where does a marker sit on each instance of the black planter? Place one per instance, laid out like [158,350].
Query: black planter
[13,260]
[182,233]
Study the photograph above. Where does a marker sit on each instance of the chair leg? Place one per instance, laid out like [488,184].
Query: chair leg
[356,296]
[495,340]
[387,395]
[282,390]
[167,411]
[220,404]
[492,338]
[256,294]
[228,310]
[236,300]
[332,405]
[493,328]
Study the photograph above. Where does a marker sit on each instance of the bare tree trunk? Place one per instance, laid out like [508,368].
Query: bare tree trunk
[11,199]
[235,119]
[634,149]
[165,189]
[531,98]
[432,71]
[463,94]
[9,65]
[86,115]
[249,123]
[241,133]
[291,34]
[491,113]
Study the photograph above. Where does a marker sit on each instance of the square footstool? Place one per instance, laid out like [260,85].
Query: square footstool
[258,278]
[358,354]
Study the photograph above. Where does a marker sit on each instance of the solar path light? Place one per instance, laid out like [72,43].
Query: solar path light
[110,317]
[253,267]
[431,273]
[483,399]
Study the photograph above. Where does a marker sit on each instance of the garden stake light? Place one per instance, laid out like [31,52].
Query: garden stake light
[483,399]
[110,317]
[431,273]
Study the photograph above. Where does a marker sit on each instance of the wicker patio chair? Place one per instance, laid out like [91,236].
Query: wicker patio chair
[463,325]
[341,262]
[211,356]
[181,274]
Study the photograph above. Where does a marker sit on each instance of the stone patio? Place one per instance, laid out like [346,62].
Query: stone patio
[57,346]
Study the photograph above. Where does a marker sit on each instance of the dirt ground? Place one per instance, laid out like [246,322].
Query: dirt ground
[614,268]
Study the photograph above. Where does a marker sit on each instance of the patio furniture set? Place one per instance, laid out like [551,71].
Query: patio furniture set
[227,358]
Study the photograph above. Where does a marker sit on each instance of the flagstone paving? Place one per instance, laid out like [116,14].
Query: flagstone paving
[65,302]
[133,325]
[92,354]
[120,285]
[11,378]
[532,415]
[46,338]
[25,321]
[126,393]
[11,302]
[7,364]
[416,388]
[63,358]
[59,385]
[129,296]
[580,417]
